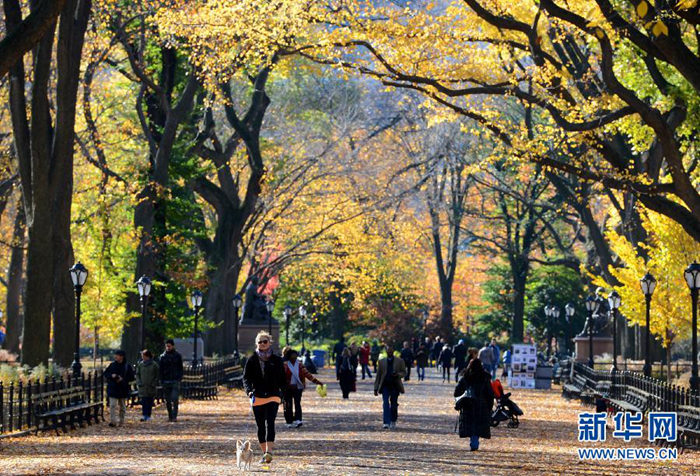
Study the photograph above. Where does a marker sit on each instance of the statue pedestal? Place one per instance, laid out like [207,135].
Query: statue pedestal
[247,330]
[601,345]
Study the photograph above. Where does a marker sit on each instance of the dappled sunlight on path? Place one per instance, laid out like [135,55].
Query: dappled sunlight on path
[338,437]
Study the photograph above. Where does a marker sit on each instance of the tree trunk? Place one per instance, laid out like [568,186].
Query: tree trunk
[445,325]
[222,287]
[15,278]
[146,259]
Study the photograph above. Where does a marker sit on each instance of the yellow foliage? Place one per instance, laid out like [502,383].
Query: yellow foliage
[670,249]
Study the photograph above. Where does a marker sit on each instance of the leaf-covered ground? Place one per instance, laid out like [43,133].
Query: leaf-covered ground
[338,437]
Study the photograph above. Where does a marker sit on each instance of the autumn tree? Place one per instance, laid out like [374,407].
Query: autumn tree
[43,131]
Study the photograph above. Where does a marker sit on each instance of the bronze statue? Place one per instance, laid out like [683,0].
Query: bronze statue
[254,307]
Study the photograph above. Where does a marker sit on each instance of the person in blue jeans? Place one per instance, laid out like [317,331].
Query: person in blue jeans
[475,412]
[389,381]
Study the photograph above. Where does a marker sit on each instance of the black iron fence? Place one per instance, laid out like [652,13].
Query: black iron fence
[21,401]
[659,370]
[202,381]
[664,396]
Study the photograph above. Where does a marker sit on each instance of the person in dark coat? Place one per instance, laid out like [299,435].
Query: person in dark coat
[421,362]
[460,353]
[337,351]
[119,375]
[445,359]
[346,373]
[475,414]
[374,354]
[171,371]
[264,381]
[407,357]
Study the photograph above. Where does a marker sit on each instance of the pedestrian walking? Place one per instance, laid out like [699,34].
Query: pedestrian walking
[437,348]
[421,362]
[337,351]
[346,375]
[171,371]
[296,375]
[486,357]
[428,350]
[119,375]
[407,357]
[354,358]
[365,352]
[445,359]
[390,371]
[460,353]
[147,374]
[496,358]
[472,353]
[507,359]
[374,354]
[265,381]
[475,411]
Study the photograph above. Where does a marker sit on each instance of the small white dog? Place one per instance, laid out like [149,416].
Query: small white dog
[244,454]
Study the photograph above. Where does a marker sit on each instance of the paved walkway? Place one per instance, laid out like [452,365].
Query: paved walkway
[339,437]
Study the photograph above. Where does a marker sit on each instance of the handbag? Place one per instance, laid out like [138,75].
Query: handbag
[467,398]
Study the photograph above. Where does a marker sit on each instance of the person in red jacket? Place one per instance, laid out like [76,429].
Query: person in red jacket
[296,382]
[364,359]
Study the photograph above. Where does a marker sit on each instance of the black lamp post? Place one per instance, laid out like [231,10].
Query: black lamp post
[302,314]
[196,300]
[614,302]
[270,304]
[692,278]
[78,274]
[549,312]
[591,306]
[648,283]
[237,304]
[569,310]
[287,312]
[144,287]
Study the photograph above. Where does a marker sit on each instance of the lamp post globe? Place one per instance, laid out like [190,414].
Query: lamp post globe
[78,275]
[196,300]
[648,284]
[614,302]
[270,307]
[143,285]
[591,306]
[692,279]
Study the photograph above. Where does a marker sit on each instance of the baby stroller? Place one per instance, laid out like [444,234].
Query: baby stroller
[506,409]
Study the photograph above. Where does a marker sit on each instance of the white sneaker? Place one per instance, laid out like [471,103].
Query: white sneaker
[291,425]
[298,423]
[385,426]
[392,425]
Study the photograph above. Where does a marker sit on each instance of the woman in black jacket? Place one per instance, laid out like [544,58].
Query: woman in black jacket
[264,382]
[475,413]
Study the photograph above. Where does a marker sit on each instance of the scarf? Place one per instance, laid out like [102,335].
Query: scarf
[263,357]
[294,369]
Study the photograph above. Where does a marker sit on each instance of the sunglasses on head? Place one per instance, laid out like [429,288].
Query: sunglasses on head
[264,341]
